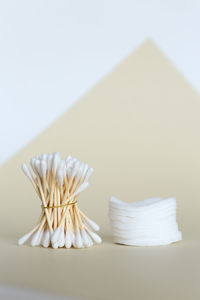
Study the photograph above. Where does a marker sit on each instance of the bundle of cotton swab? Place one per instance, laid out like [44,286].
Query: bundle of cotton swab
[58,183]
[149,222]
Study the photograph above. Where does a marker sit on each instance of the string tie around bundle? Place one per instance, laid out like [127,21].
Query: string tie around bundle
[56,206]
[58,183]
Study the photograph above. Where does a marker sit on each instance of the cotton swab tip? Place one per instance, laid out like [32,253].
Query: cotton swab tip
[27,171]
[56,235]
[24,238]
[96,238]
[68,240]
[46,239]
[92,224]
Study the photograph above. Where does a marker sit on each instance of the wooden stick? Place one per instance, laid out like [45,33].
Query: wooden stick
[45,209]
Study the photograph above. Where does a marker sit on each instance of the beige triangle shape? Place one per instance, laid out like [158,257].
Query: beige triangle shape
[139,129]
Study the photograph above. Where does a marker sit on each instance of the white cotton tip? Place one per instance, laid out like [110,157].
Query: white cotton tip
[37,167]
[60,175]
[78,243]
[24,238]
[40,237]
[90,242]
[96,238]
[85,239]
[68,240]
[68,158]
[27,171]
[85,169]
[92,224]
[56,161]
[56,235]
[88,174]
[69,171]
[32,163]
[64,172]
[81,168]
[81,188]
[39,156]
[74,160]
[49,161]
[75,169]
[61,164]
[56,154]
[54,245]
[43,168]
[46,238]
[78,175]
[68,163]
[35,238]
[61,241]
[72,236]
[44,157]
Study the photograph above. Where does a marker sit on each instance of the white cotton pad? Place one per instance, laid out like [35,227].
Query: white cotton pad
[149,222]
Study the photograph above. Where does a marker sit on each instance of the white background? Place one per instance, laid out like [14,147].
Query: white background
[52,52]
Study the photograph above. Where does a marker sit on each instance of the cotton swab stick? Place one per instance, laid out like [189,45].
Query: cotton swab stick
[58,184]
[57,232]
[29,175]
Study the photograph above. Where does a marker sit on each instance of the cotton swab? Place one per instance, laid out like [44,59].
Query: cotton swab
[58,184]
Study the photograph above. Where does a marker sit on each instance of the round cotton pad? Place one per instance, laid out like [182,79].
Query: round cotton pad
[149,222]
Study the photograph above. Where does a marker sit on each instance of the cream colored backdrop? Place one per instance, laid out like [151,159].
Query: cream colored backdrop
[139,129]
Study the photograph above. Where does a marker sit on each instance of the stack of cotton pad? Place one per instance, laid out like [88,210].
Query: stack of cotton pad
[149,222]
